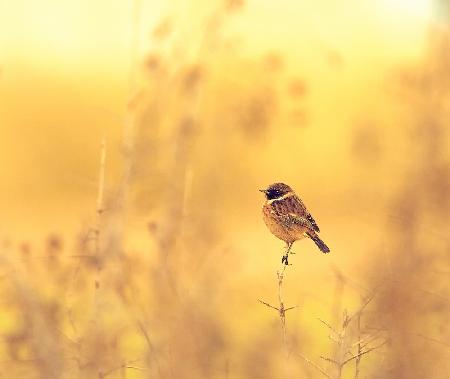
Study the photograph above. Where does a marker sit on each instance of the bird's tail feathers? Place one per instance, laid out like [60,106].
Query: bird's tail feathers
[320,244]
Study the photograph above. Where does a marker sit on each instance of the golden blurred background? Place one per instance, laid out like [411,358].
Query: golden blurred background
[155,271]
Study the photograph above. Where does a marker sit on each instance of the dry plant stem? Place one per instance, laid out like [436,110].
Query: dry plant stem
[151,347]
[342,345]
[280,276]
[100,194]
[281,308]
[94,231]
[316,366]
[363,353]
[358,359]
[129,128]
[103,374]
[343,348]
[99,211]
[99,208]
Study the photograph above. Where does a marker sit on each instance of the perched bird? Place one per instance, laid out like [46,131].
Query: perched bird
[288,219]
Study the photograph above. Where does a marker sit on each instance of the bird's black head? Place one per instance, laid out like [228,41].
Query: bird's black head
[276,190]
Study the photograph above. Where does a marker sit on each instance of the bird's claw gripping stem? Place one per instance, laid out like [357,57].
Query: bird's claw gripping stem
[286,256]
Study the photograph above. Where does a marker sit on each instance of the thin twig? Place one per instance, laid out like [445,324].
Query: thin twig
[365,340]
[99,210]
[135,367]
[150,345]
[363,353]
[358,359]
[315,365]
[268,305]
[327,325]
[280,275]
[281,311]
[101,189]
[329,360]
[363,306]
[129,365]
[344,346]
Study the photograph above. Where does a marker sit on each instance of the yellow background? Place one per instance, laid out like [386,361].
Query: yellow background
[200,104]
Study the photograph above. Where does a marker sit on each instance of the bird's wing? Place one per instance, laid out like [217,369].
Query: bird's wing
[301,209]
[293,219]
[314,225]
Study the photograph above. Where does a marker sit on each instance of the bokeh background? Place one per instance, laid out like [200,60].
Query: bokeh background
[155,271]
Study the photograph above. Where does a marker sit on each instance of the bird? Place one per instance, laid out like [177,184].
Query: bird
[287,218]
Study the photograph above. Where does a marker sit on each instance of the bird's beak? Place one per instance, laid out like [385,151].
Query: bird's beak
[263,190]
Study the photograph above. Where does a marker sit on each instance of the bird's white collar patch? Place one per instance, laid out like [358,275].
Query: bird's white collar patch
[286,195]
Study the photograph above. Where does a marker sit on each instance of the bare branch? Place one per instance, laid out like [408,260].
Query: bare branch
[281,308]
[333,338]
[136,368]
[363,353]
[103,374]
[330,360]
[327,325]
[315,365]
[358,359]
[150,345]
[268,305]
[280,275]
[99,210]
[363,306]
[365,340]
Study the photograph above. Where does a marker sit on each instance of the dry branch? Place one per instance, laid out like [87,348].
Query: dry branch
[315,365]
[363,353]
[281,308]
[344,346]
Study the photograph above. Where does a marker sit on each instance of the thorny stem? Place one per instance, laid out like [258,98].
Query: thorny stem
[363,353]
[316,366]
[280,276]
[281,308]
[340,360]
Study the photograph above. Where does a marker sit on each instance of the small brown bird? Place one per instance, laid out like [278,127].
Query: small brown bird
[288,219]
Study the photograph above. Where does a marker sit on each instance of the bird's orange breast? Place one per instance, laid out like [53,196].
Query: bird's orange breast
[273,218]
